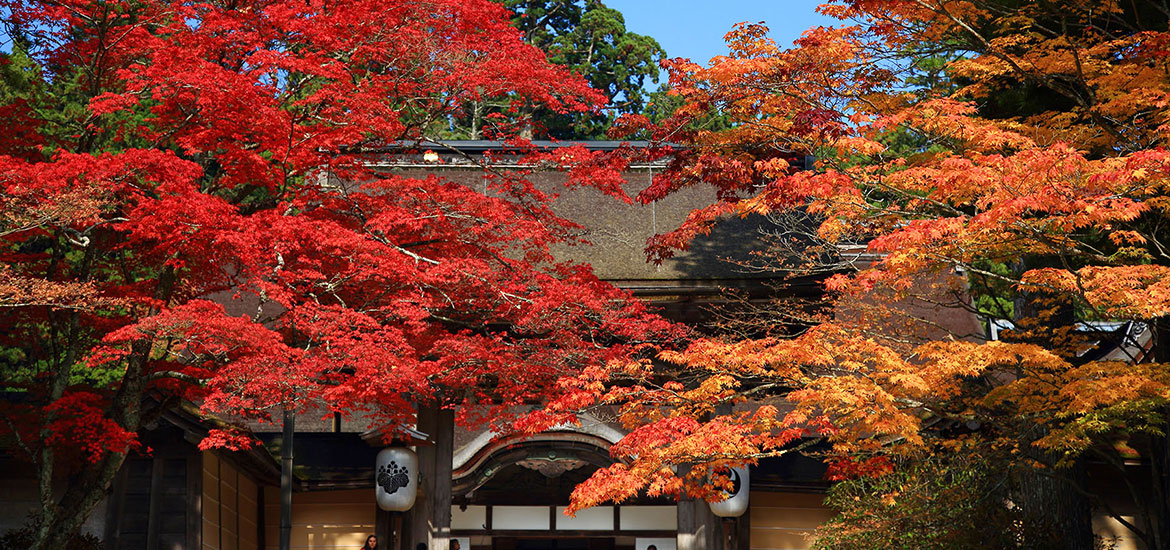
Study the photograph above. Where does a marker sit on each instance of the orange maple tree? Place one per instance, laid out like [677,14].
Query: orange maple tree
[1014,151]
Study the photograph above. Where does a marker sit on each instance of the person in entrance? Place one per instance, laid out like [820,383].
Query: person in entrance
[371,543]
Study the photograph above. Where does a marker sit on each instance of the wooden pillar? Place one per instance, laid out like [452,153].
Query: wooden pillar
[384,528]
[388,529]
[695,526]
[420,514]
[441,497]
[743,531]
[406,537]
[114,505]
[711,525]
[286,479]
[153,519]
[430,519]
[703,529]
[398,532]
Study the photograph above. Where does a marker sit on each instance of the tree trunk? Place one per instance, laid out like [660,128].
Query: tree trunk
[61,518]
[77,503]
[476,115]
[1159,458]
[1160,489]
[1057,514]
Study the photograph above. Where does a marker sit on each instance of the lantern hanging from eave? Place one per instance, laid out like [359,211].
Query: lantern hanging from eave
[736,502]
[396,479]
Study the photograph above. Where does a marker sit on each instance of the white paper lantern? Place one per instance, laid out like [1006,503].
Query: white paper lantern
[396,479]
[736,502]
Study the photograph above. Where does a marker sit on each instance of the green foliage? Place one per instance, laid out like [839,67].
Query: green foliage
[662,104]
[21,88]
[992,292]
[947,501]
[45,115]
[23,537]
[591,39]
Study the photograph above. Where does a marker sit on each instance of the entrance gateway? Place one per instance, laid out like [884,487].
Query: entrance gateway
[546,528]
[511,493]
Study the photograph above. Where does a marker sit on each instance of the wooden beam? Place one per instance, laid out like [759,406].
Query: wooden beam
[566,533]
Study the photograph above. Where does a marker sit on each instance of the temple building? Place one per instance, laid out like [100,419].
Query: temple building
[487,491]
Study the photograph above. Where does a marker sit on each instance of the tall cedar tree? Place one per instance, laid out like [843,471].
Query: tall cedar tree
[189,212]
[1014,148]
[591,40]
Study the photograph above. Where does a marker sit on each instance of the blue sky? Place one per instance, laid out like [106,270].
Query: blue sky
[695,28]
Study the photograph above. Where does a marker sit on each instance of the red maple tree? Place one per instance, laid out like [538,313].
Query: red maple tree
[190,211]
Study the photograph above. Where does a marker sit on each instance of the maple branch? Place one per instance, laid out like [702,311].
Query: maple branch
[1163,7]
[1099,499]
[193,380]
[49,304]
[1038,76]
[955,262]
[30,225]
[679,459]
[20,440]
[412,255]
[424,259]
